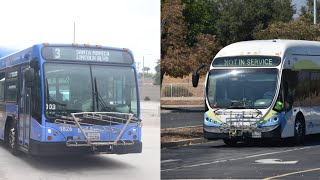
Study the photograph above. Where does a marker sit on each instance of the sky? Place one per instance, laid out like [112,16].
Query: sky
[298,4]
[133,24]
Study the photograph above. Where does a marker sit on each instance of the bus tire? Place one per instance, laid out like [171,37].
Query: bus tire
[230,142]
[12,136]
[299,131]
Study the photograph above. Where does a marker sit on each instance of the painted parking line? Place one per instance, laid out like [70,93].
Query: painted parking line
[292,173]
[170,160]
[273,161]
[238,158]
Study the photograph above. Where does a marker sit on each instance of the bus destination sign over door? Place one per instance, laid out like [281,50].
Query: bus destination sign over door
[247,61]
[86,54]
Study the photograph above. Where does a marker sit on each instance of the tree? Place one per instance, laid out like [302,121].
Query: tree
[193,30]
[156,77]
[240,19]
[177,58]
[146,69]
[201,17]
[233,20]
[173,37]
[301,28]
[307,11]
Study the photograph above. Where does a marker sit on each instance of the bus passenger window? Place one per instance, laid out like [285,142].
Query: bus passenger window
[12,91]
[2,80]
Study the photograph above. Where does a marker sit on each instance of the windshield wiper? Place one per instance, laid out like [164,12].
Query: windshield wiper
[98,97]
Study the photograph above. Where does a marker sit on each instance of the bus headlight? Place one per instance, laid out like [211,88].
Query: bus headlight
[134,130]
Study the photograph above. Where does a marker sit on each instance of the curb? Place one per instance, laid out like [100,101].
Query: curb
[180,106]
[182,143]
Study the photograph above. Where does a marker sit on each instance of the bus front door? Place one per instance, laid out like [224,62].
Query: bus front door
[24,111]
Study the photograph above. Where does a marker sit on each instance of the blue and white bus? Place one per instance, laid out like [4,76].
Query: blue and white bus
[58,99]
[263,89]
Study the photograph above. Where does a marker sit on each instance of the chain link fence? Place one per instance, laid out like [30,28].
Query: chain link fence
[181,90]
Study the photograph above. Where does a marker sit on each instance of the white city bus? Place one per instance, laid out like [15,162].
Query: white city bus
[263,89]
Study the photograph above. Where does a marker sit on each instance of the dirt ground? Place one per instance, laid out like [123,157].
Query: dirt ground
[179,134]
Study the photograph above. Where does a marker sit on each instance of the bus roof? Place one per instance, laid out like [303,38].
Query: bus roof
[26,54]
[276,47]
[82,45]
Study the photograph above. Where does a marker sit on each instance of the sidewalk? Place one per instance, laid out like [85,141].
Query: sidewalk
[150,113]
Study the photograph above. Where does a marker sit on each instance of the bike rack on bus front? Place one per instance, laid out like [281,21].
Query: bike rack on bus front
[105,120]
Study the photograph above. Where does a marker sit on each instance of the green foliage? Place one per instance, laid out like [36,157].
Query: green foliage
[147,98]
[146,69]
[233,20]
[307,11]
[177,57]
[201,17]
[192,31]
[300,28]
[241,19]
[156,77]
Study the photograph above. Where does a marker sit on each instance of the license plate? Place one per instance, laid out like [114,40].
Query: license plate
[93,136]
[256,134]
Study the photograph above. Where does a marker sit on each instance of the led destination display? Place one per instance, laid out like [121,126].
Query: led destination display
[86,54]
[247,61]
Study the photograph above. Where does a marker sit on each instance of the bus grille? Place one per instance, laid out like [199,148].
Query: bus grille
[108,122]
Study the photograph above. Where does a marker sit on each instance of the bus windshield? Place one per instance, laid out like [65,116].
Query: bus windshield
[89,88]
[241,88]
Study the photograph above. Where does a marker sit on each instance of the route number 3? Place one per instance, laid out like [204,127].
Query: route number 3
[57,53]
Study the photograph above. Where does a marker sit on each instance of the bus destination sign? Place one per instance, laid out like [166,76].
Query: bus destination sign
[86,54]
[247,61]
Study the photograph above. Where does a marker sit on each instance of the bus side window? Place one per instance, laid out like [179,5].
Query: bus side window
[290,79]
[12,86]
[2,85]
[36,91]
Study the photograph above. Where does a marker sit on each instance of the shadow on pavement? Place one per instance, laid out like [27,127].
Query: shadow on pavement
[74,163]
[310,140]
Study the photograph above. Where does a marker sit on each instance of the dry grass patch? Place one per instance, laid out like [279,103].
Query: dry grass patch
[179,134]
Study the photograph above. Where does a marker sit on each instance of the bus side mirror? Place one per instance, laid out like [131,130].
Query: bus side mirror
[195,75]
[278,106]
[29,76]
[195,79]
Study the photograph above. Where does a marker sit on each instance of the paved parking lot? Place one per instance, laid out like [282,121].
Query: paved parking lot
[132,166]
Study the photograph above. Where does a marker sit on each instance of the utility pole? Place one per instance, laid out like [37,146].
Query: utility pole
[142,84]
[74,32]
[315,12]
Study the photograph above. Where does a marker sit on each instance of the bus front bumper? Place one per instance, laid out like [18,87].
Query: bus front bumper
[59,148]
[211,133]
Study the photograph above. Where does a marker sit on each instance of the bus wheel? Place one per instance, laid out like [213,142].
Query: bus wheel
[13,139]
[299,131]
[230,142]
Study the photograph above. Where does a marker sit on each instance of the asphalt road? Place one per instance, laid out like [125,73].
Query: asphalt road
[131,166]
[246,161]
[182,117]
